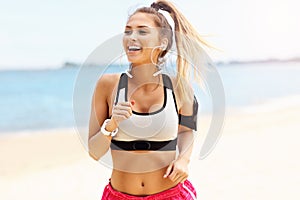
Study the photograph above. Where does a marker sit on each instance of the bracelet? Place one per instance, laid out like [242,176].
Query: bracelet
[105,132]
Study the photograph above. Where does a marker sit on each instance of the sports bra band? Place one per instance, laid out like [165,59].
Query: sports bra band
[169,145]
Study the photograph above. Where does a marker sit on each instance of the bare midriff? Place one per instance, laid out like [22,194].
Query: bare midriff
[140,173]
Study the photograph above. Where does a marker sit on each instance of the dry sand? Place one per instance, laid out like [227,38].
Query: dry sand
[257,157]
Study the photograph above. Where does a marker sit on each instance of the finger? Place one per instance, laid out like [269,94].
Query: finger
[181,179]
[169,169]
[124,103]
[177,174]
[124,113]
[123,108]
[177,179]
[119,118]
[174,175]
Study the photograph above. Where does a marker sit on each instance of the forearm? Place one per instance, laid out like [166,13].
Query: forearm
[98,145]
[177,171]
[185,145]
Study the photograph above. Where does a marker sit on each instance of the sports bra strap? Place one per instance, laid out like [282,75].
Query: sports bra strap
[124,79]
[167,82]
[122,84]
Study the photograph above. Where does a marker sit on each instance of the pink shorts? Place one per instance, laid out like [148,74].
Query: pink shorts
[183,191]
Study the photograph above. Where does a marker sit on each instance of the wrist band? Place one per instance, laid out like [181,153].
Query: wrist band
[105,132]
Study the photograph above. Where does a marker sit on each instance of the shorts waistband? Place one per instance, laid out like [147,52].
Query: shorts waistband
[161,195]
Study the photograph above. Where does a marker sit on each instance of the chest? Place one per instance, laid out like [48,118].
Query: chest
[158,124]
[147,101]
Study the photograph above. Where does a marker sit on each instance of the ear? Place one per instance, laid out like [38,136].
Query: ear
[164,43]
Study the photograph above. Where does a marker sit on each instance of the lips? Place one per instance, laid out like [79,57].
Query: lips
[134,48]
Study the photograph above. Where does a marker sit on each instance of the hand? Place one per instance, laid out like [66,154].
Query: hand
[121,111]
[177,170]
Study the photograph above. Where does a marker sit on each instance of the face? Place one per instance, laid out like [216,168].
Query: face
[140,37]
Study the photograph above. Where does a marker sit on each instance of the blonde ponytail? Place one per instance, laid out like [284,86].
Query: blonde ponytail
[188,45]
[189,51]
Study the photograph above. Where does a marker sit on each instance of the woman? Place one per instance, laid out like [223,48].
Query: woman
[142,115]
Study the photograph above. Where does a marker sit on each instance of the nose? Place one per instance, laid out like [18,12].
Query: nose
[133,36]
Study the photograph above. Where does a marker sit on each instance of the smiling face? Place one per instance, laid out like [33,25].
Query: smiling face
[140,37]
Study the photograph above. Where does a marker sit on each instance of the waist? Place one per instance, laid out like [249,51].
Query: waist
[141,162]
[141,184]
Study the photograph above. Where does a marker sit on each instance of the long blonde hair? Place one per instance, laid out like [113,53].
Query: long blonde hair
[189,45]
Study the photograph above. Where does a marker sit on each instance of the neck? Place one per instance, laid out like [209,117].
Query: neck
[143,76]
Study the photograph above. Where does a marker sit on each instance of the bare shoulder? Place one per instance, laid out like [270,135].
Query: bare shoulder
[108,79]
[107,83]
[185,84]
[180,99]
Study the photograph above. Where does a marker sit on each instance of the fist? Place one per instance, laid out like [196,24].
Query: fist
[122,111]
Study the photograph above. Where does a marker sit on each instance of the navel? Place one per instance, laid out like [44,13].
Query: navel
[142,184]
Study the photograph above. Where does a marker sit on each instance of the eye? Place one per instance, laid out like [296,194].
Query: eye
[142,32]
[127,32]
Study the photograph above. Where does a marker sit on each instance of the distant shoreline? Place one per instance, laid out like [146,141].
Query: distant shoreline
[218,63]
[75,65]
[266,61]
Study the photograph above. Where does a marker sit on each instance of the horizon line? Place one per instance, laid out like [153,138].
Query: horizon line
[217,62]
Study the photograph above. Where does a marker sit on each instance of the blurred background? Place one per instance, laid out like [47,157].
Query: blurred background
[43,44]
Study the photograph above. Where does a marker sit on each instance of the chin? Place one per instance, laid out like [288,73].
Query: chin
[134,61]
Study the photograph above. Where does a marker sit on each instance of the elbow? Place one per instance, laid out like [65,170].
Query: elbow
[96,158]
[96,149]
[92,151]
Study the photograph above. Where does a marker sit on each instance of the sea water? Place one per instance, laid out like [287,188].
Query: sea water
[43,99]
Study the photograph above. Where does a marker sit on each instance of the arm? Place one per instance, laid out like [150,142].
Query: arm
[185,145]
[178,169]
[188,123]
[97,142]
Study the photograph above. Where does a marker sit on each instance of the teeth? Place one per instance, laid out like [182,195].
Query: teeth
[134,48]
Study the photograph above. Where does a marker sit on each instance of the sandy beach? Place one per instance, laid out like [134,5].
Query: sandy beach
[256,158]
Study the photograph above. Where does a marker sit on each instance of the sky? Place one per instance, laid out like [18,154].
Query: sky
[38,34]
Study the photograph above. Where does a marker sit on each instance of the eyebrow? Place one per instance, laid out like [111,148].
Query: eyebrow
[141,26]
